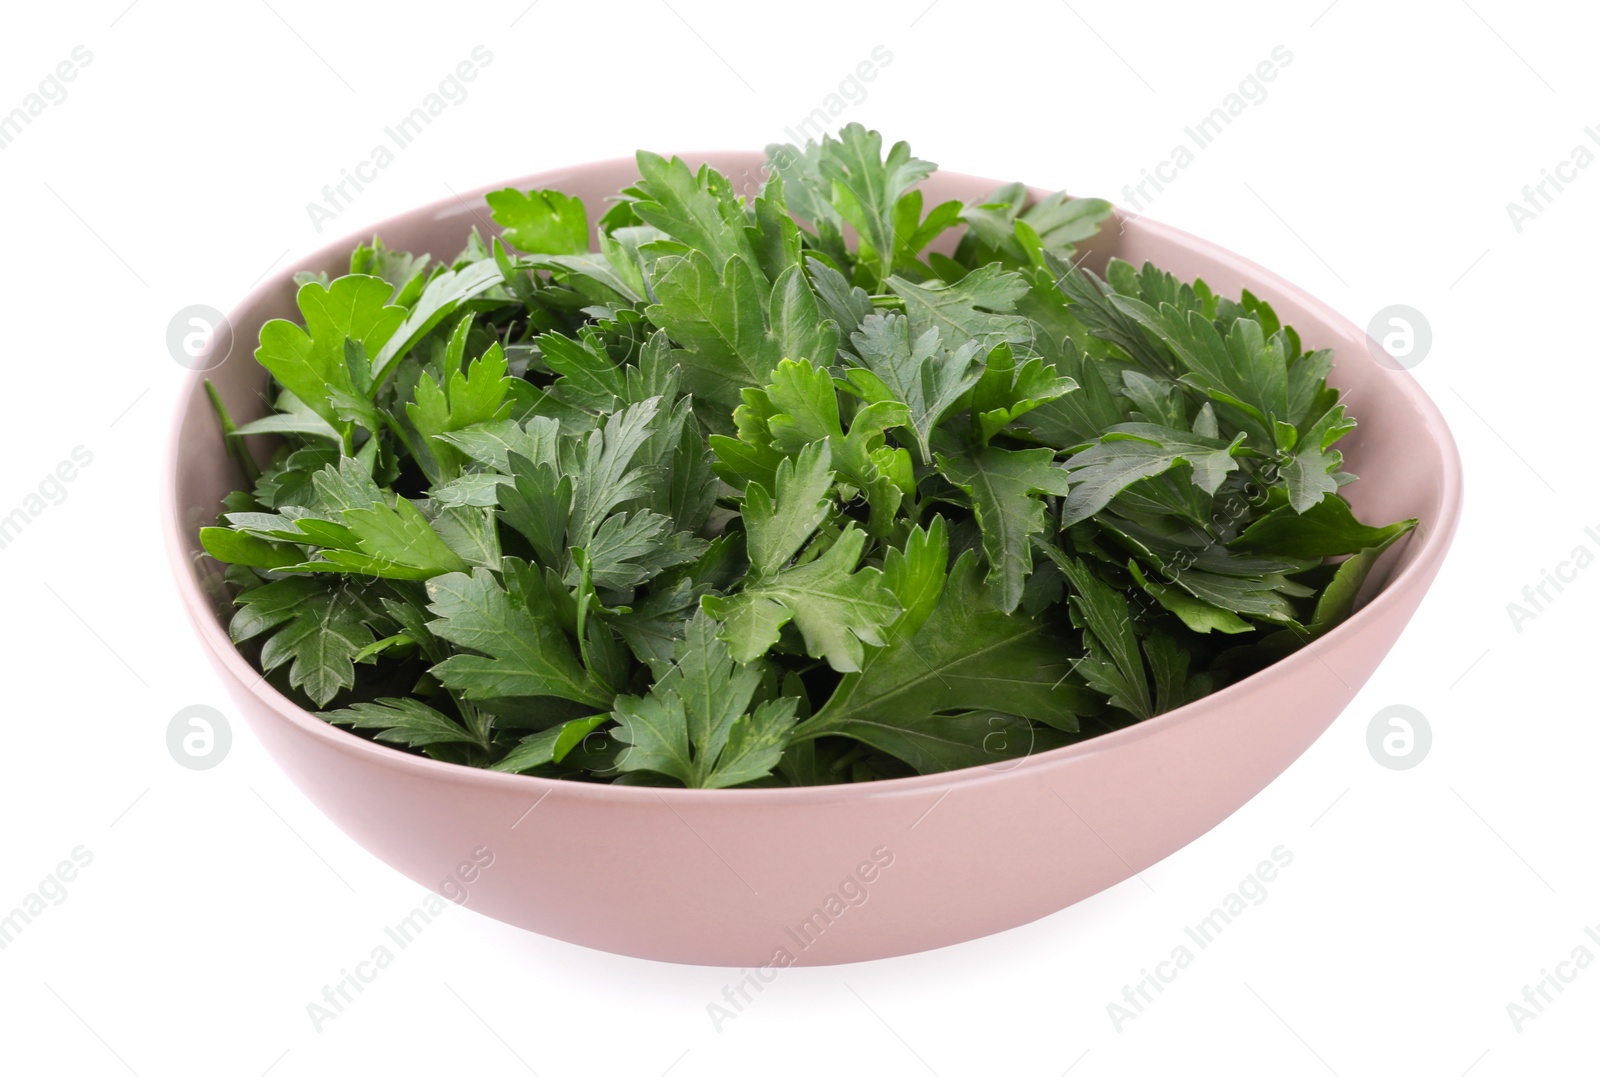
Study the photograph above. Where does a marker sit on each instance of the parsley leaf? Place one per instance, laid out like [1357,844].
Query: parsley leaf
[310,361]
[697,724]
[952,649]
[867,187]
[404,721]
[315,630]
[837,607]
[1129,452]
[920,374]
[977,308]
[541,222]
[520,647]
[1004,486]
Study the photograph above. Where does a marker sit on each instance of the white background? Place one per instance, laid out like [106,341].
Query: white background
[1376,171]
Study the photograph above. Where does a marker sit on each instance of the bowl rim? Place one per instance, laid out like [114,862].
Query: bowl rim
[1434,543]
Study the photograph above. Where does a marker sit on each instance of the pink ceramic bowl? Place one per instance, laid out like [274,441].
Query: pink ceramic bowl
[830,874]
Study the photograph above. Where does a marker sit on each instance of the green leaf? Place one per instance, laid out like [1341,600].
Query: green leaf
[805,410]
[346,485]
[549,746]
[775,237]
[397,543]
[628,550]
[399,720]
[467,398]
[1338,599]
[537,503]
[867,185]
[404,271]
[713,688]
[656,732]
[1308,475]
[699,209]
[920,374]
[1113,664]
[848,305]
[1060,221]
[720,319]
[913,232]
[836,607]
[292,417]
[318,632]
[750,470]
[1326,529]
[240,548]
[541,222]
[1169,672]
[462,290]
[310,361]
[522,650]
[602,469]
[471,533]
[690,492]
[976,308]
[776,527]
[916,576]
[1198,615]
[796,326]
[1195,561]
[756,742]
[807,192]
[696,724]
[492,443]
[1247,372]
[941,742]
[589,378]
[1130,452]
[1004,485]
[1008,390]
[960,654]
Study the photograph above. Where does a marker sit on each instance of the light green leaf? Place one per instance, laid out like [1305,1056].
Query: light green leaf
[867,186]
[720,319]
[310,361]
[776,528]
[541,222]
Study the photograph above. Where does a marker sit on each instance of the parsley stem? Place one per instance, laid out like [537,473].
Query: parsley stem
[231,437]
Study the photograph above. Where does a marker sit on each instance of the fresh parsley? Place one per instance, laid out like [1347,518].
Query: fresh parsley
[722,499]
